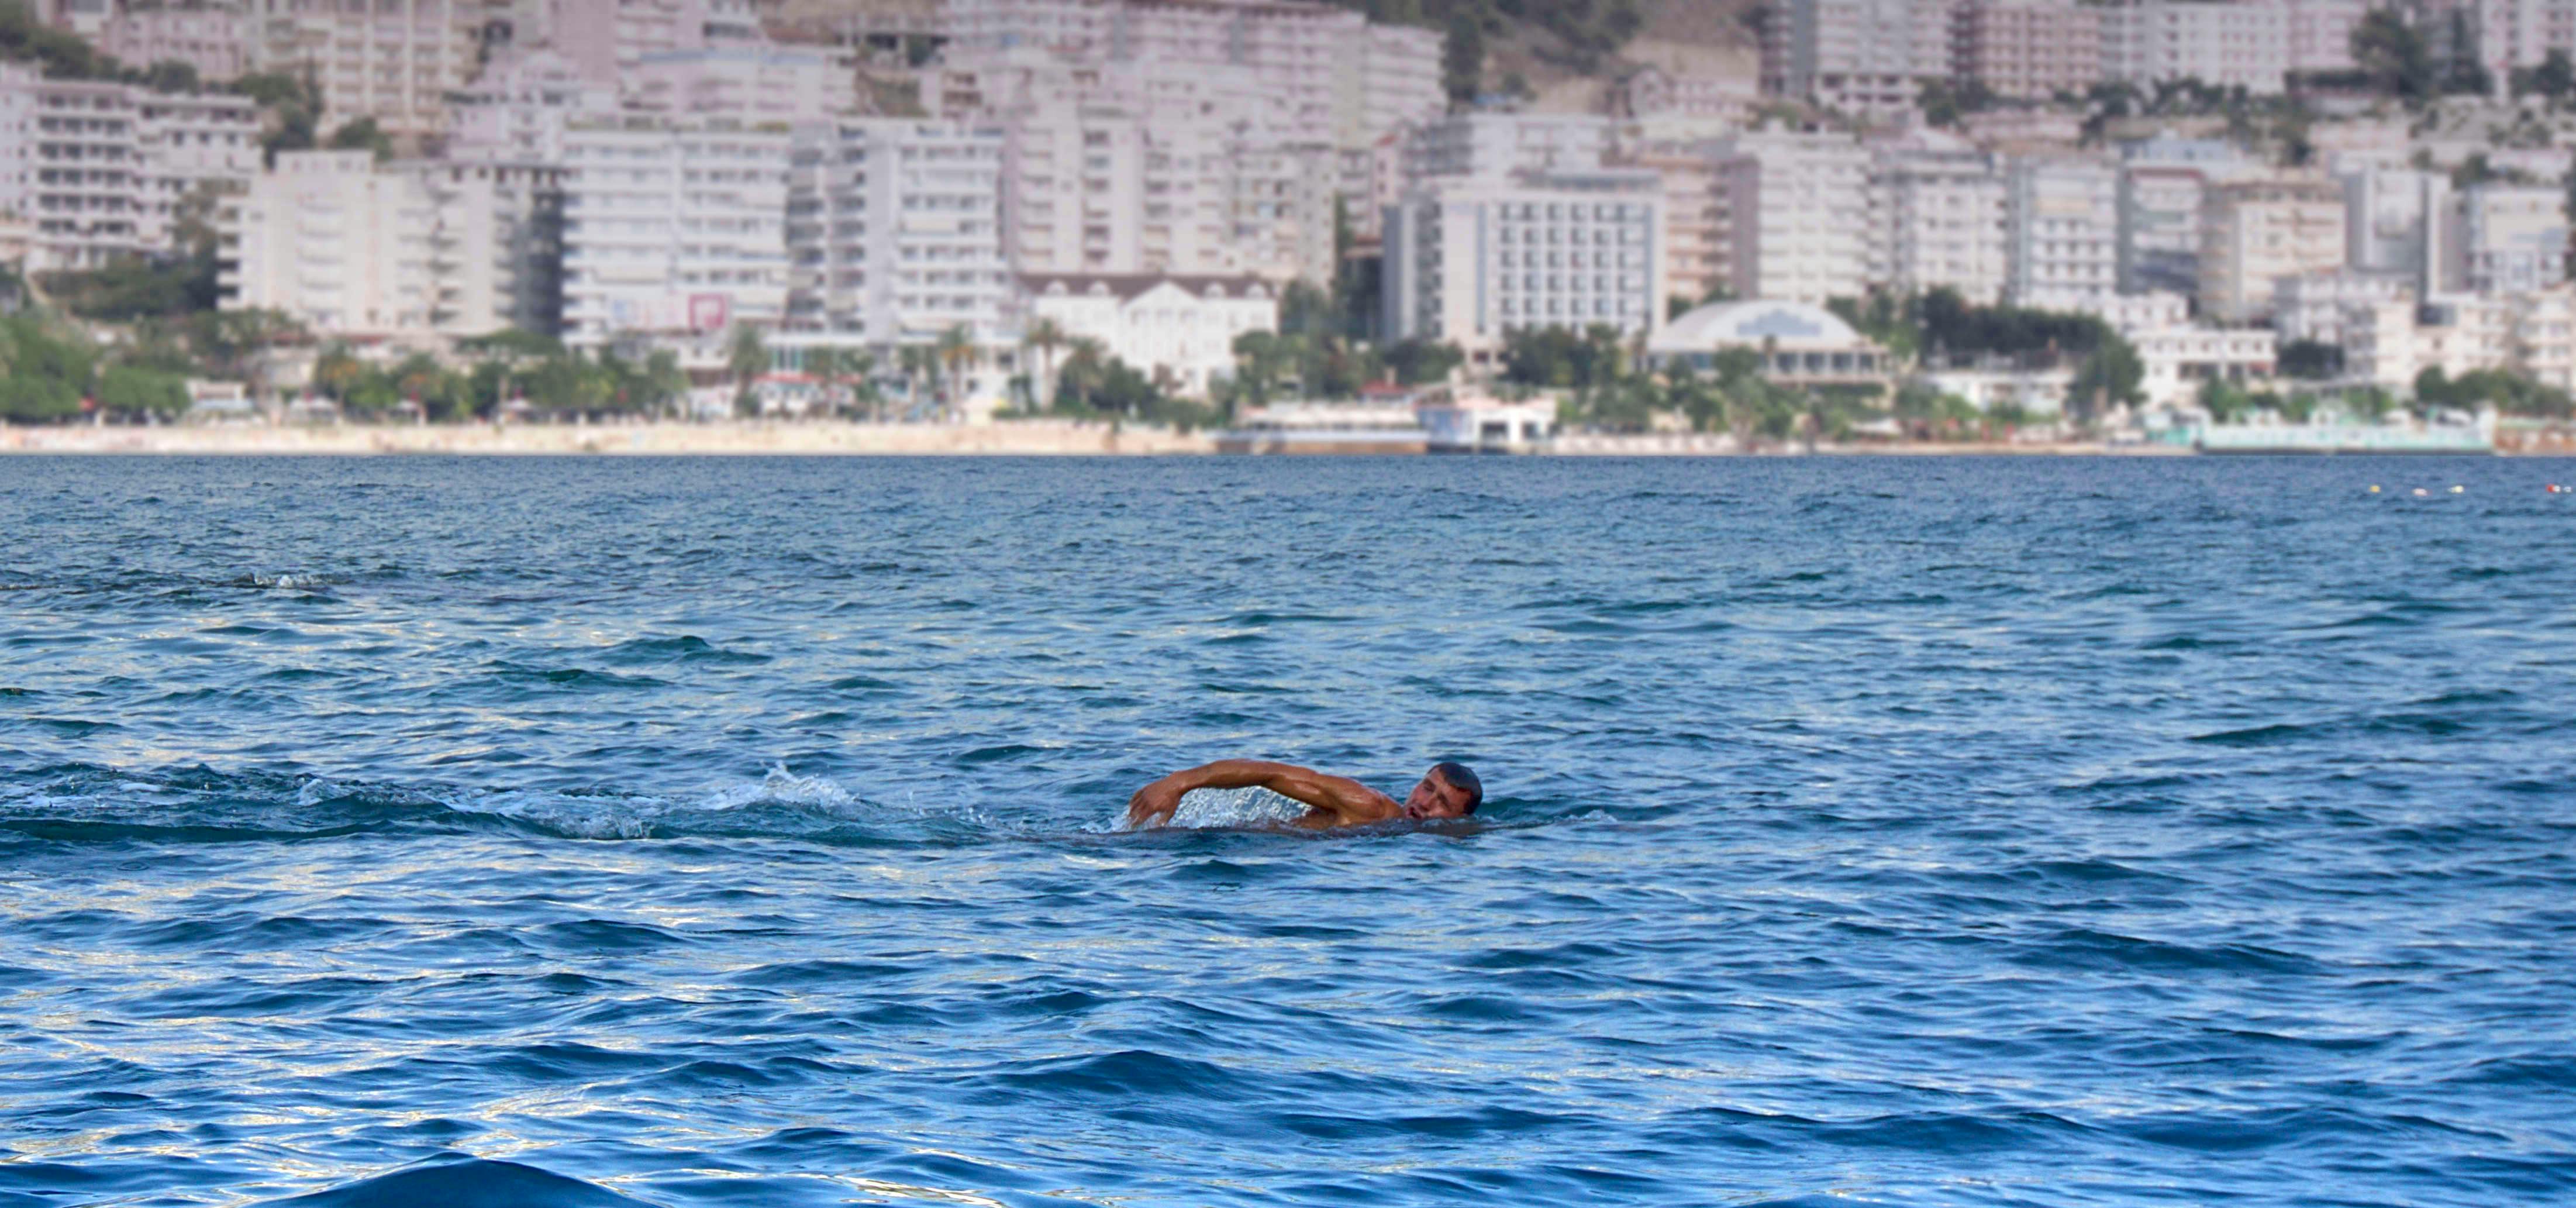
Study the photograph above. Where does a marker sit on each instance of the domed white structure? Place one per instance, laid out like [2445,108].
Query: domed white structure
[1799,343]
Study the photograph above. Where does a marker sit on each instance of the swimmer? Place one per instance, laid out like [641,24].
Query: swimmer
[1448,790]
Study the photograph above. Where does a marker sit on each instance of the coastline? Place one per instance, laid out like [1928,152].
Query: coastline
[774,438]
[722,438]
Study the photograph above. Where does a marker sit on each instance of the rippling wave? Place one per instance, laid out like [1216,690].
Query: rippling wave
[1944,832]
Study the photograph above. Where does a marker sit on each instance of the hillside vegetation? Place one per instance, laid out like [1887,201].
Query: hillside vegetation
[1565,50]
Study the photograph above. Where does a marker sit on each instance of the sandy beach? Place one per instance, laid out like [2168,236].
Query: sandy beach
[738,437]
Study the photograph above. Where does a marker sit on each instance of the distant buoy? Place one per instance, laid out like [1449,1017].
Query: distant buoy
[2421,493]
[2374,488]
[2457,489]
[2553,488]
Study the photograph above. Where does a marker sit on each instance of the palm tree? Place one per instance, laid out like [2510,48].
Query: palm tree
[747,356]
[916,360]
[956,350]
[1046,336]
[824,362]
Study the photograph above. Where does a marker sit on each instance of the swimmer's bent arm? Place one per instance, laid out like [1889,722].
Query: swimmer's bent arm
[1345,799]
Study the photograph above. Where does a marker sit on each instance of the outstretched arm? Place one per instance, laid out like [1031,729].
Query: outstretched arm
[1345,799]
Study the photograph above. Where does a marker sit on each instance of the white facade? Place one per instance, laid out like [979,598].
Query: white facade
[1177,331]
[213,39]
[1860,56]
[2162,182]
[2512,239]
[412,252]
[1468,260]
[2029,48]
[2251,45]
[747,82]
[895,232]
[2393,222]
[671,229]
[1327,69]
[1496,145]
[2176,360]
[337,245]
[1803,220]
[2063,223]
[195,150]
[2255,232]
[1945,206]
[392,60]
[72,164]
[2313,306]
[607,40]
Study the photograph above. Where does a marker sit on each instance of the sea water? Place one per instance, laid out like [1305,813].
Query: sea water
[1941,832]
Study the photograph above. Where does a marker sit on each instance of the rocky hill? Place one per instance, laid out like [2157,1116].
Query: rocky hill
[1568,52]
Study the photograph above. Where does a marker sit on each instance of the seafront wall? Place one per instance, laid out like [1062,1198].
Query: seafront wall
[651,439]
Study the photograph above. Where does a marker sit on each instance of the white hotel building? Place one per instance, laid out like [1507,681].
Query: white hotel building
[894,237]
[412,253]
[2063,221]
[673,229]
[102,170]
[1470,259]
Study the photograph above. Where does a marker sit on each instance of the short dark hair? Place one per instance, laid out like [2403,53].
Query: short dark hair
[1460,777]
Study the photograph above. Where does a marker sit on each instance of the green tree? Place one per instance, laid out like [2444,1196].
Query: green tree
[2110,375]
[746,357]
[2315,360]
[2396,56]
[133,393]
[1418,362]
[363,135]
[1462,58]
[956,349]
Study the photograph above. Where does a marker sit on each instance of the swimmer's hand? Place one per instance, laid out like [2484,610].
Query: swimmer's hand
[1153,804]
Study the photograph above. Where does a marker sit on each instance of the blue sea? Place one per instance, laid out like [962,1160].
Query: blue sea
[745,831]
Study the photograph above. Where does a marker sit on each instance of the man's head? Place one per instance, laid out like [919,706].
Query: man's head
[1448,790]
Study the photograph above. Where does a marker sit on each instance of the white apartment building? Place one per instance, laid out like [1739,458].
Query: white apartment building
[2255,232]
[2394,224]
[2254,44]
[71,163]
[2174,361]
[391,60]
[337,245]
[2313,306]
[1652,92]
[1468,259]
[2062,225]
[1179,331]
[608,39]
[195,148]
[106,170]
[2032,49]
[1698,230]
[1859,56]
[2500,35]
[518,109]
[895,234]
[1803,220]
[1945,208]
[1327,69]
[1496,145]
[2511,239]
[213,38]
[1388,77]
[412,253]
[2389,344]
[2162,180]
[748,82]
[1149,169]
[2229,45]
[674,230]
